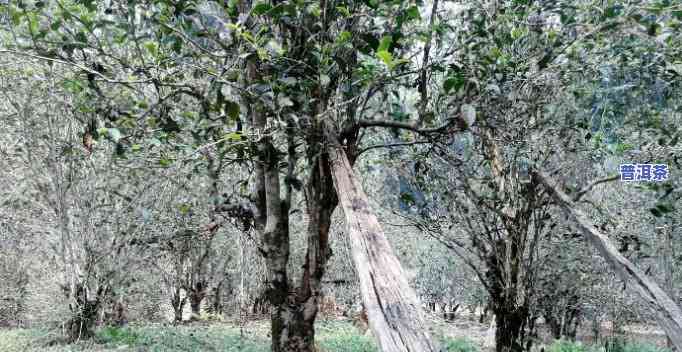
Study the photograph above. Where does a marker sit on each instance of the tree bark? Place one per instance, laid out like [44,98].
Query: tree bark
[178,305]
[668,314]
[393,308]
[196,296]
[510,323]
[85,311]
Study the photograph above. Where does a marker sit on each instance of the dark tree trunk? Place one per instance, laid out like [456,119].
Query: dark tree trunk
[85,310]
[196,296]
[510,328]
[178,305]
[294,333]
[293,322]
[217,304]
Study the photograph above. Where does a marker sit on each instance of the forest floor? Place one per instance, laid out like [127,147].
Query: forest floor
[336,334]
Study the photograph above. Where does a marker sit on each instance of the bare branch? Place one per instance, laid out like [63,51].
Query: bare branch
[410,126]
[587,188]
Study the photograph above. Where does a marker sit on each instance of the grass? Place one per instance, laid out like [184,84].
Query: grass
[138,339]
[331,336]
[613,345]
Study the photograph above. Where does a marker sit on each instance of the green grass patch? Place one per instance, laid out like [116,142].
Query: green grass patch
[459,345]
[623,345]
[117,336]
[569,346]
[611,345]
[340,336]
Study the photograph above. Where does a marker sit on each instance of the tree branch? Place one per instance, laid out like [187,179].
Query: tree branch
[408,126]
[391,145]
[587,188]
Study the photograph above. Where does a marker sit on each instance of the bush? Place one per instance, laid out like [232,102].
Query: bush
[459,345]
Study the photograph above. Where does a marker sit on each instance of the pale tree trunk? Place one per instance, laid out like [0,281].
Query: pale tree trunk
[668,314]
[668,265]
[393,310]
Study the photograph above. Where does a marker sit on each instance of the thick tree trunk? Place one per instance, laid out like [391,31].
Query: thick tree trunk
[393,309]
[510,329]
[85,311]
[196,295]
[294,332]
[668,314]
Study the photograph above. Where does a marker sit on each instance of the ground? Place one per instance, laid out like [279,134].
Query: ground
[333,335]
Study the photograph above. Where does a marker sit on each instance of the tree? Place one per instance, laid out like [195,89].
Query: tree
[289,87]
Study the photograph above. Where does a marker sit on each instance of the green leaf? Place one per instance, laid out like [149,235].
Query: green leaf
[73,86]
[261,8]
[453,83]
[234,136]
[165,162]
[386,57]
[385,43]
[412,13]
[232,110]
[343,11]
[613,11]
[344,37]
[152,47]
[55,25]
[184,208]
[517,33]
[665,208]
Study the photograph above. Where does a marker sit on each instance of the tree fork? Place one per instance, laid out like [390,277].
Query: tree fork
[393,309]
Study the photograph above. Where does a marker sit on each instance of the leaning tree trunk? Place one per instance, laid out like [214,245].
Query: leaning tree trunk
[394,312]
[668,314]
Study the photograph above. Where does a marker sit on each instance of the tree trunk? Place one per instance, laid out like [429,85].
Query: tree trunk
[195,299]
[85,310]
[393,309]
[510,329]
[668,266]
[668,314]
[178,305]
[217,304]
